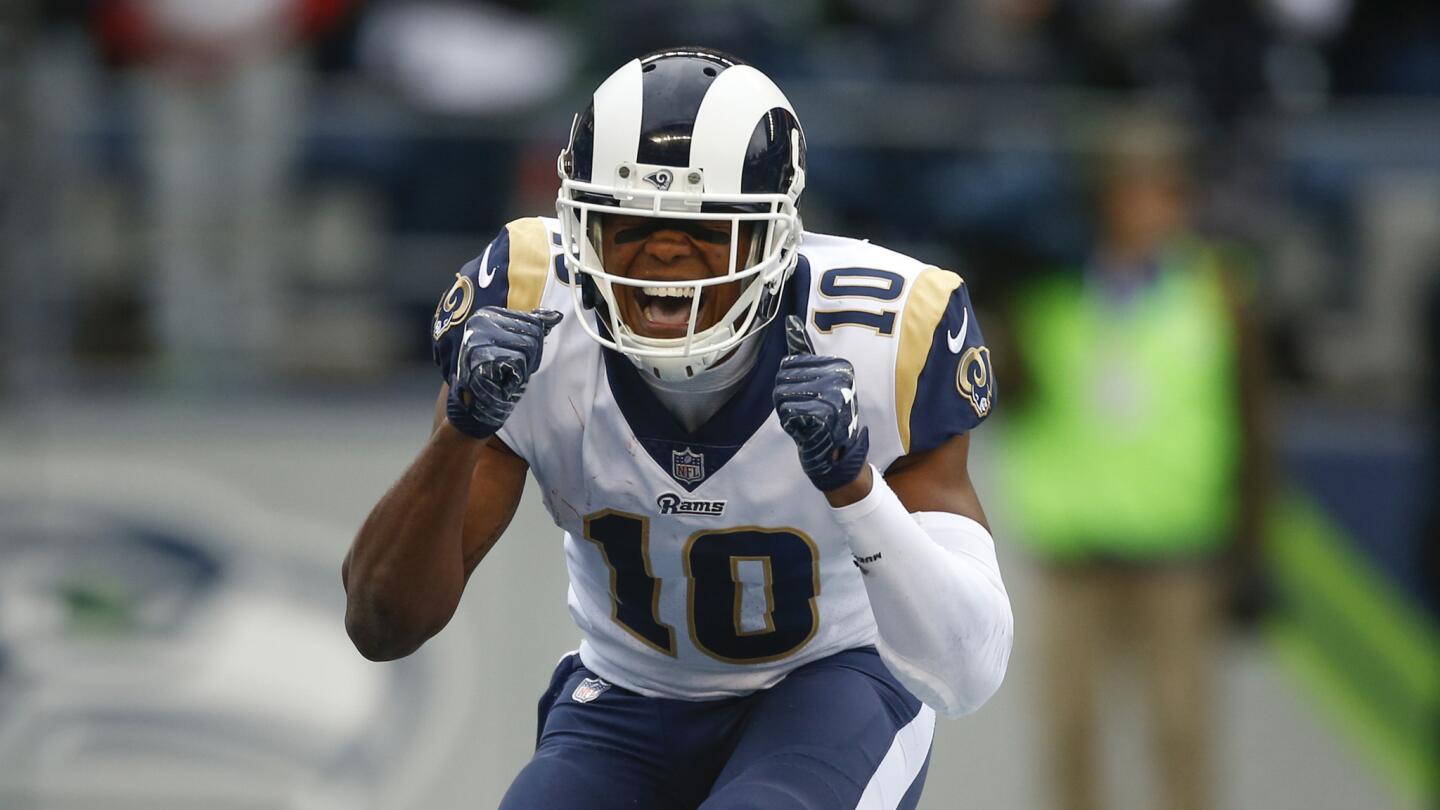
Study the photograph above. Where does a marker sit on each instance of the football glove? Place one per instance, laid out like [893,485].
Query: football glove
[499,350]
[815,402]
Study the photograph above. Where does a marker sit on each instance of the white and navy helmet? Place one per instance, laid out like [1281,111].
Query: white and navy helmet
[687,133]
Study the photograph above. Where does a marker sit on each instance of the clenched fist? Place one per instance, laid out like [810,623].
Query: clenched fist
[499,351]
[815,401]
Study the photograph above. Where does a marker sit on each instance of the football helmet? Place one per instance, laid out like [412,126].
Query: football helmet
[684,134]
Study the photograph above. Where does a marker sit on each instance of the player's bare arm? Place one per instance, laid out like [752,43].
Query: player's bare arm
[495,486]
[938,480]
[409,563]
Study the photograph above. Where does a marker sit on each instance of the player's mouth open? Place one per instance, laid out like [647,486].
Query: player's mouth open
[666,308]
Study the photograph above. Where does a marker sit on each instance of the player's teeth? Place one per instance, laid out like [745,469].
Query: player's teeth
[672,292]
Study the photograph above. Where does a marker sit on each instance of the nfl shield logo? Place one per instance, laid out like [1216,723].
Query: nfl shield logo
[588,690]
[687,465]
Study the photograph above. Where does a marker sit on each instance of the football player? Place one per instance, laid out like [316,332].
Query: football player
[754,440]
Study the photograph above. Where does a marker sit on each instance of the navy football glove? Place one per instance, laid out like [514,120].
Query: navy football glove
[815,401]
[499,351]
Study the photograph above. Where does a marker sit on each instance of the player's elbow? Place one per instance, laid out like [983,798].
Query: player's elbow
[958,676]
[382,634]
[383,643]
[980,670]
[970,683]
[377,651]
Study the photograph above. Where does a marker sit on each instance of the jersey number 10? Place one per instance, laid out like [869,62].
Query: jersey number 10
[790,563]
[859,282]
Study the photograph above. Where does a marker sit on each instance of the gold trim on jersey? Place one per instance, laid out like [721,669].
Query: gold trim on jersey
[769,595]
[924,308]
[529,263]
[615,584]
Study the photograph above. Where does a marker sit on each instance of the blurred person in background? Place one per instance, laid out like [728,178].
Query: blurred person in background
[1130,462]
[223,91]
[1431,541]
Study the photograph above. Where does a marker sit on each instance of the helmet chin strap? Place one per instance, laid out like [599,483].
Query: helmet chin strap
[672,369]
[681,368]
[723,374]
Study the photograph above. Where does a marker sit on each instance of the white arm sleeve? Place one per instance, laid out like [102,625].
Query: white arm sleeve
[939,603]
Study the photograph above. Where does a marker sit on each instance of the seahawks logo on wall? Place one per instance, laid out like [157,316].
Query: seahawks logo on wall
[454,308]
[974,381]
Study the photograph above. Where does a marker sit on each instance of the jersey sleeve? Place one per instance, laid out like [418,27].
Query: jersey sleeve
[944,385]
[510,273]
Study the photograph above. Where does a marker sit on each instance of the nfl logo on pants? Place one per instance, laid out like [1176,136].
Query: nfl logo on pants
[687,465]
[588,690]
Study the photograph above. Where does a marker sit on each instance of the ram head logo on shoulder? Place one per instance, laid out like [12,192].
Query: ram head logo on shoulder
[454,308]
[974,379]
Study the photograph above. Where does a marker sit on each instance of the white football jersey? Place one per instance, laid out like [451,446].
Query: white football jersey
[705,564]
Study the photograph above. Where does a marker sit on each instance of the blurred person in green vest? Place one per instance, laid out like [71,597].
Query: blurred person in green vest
[1131,465]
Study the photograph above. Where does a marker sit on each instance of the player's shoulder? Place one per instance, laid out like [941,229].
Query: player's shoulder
[857,283]
[840,267]
[518,269]
[824,252]
[909,327]
[512,271]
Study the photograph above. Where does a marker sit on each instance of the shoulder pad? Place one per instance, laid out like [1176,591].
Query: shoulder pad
[944,385]
[512,272]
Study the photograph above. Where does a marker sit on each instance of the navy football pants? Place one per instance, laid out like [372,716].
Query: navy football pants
[835,734]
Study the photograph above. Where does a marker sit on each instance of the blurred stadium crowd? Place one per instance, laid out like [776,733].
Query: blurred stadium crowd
[198,195]
[374,144]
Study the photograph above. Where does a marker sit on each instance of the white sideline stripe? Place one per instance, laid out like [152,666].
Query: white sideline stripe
[617,122]
[902,763]
[726,120]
